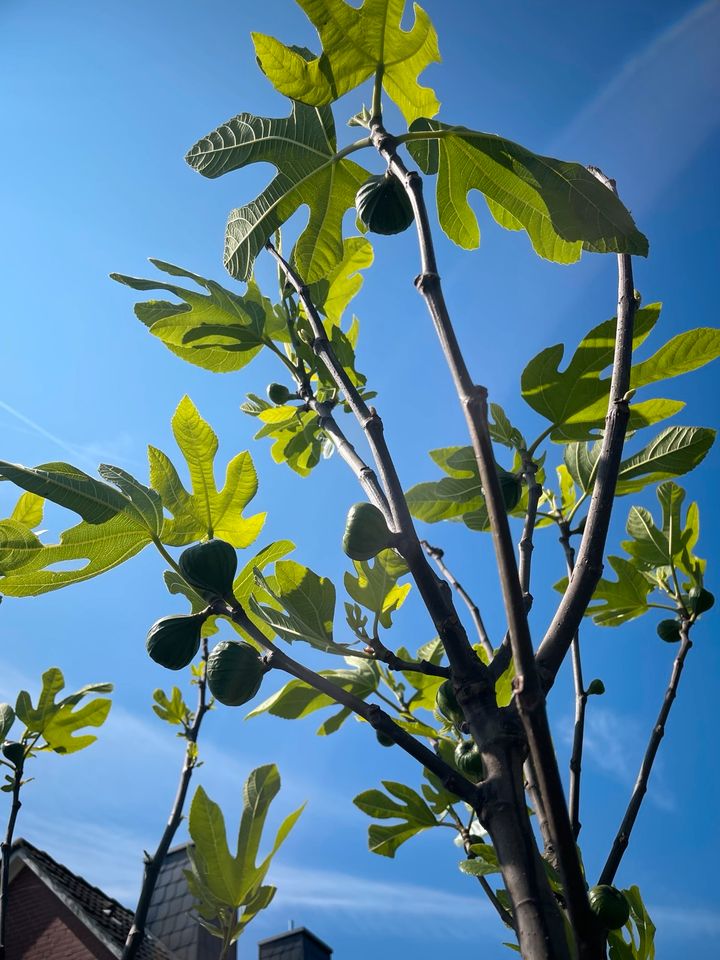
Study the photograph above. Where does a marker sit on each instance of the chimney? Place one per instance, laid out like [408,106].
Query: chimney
[296,944]
[171,918]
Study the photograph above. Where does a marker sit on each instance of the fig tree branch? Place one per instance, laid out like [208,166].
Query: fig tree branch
[371,712]
[622,839]
[580,697]
[436,554]
[589,561]
[526,546]
[539,808]
[136,934]
[529,696]
[377,650]
[364,474]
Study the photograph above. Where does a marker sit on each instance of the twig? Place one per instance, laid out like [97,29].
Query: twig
[153,865]
[525,547]
[589,564]
[622,838]
[436,554]
[377,649]
[504,914]
[581,698]
[365,475]
[371,712]
[539,808]
[528,693]
[5,851]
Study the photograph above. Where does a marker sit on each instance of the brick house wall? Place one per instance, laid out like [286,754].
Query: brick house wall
[41,927]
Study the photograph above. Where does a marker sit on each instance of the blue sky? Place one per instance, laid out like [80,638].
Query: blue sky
[99,104]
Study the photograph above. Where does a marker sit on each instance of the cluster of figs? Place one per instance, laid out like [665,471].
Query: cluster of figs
[234,668]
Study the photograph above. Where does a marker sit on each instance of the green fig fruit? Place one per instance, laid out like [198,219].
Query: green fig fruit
[447,705]
[278,393]
[14,753]
[173,641]
[234,672]
[596,688]
[210,568]
[700,600]
[366,532]
[669,630]
[383,739]
[610,906]
[468,761]
[383,206]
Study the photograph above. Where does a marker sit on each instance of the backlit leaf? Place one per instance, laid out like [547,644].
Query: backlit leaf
[356,42]
[562,206]
[57,721]
[218,330]
[207,511]
[90,549]
[68,486]
[303,149]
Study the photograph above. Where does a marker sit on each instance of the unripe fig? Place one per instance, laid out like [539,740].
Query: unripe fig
[366,532]
[447,705]
[14,753]
[234,672]
[669,630]
[610,906]
[210,567]
[278,393]
[173,641]
[383,205]
[468,761]
[511,488]
[596,688]
[383,739]
[701,600]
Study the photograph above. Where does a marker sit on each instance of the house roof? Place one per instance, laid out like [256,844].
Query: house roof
[108,920]
[172,917]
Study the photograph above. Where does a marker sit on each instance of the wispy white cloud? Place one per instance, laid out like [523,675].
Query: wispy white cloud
[335,890]
[106,855]
[666,101]
[685,922]
[87,455]
[613,744]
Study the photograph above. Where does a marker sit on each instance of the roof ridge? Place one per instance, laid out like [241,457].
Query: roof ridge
[75,876]
[62,880]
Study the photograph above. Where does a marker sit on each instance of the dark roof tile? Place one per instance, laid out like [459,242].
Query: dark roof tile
[100,912]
